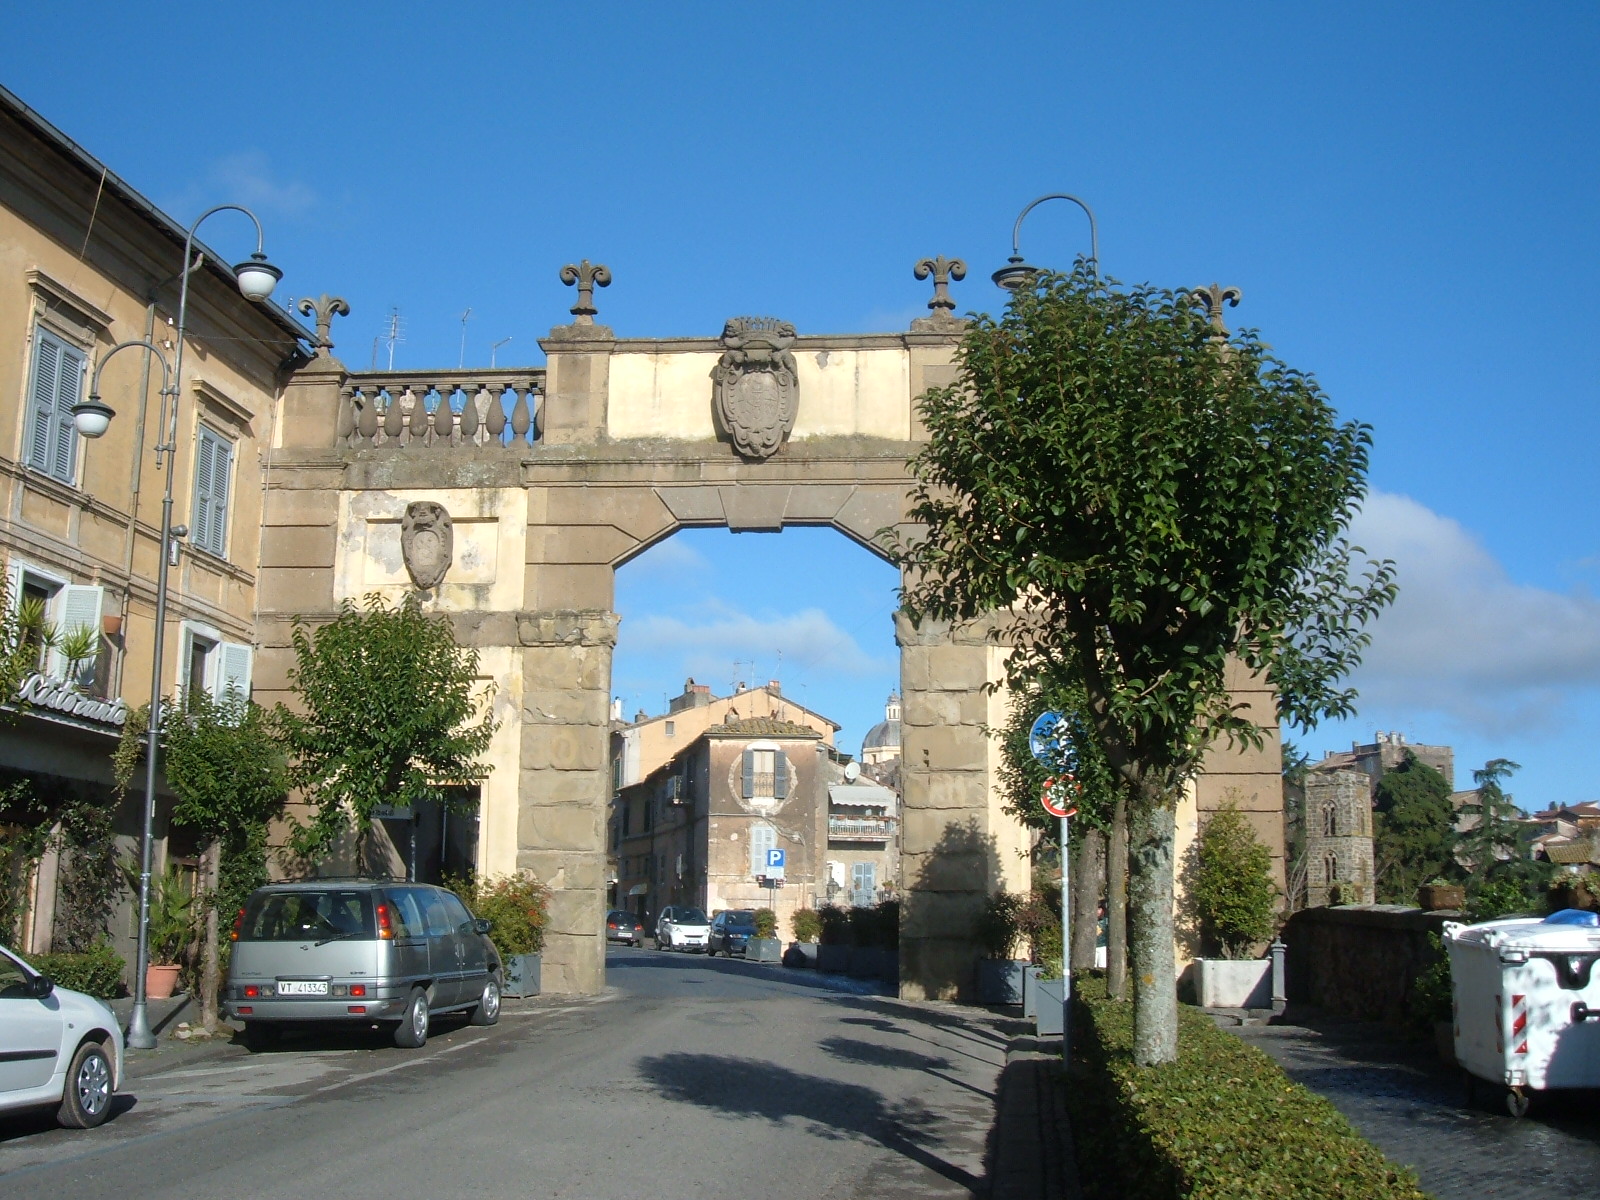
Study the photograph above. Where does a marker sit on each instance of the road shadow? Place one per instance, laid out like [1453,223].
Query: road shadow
[30,1121]
[736,967]
[747,1089]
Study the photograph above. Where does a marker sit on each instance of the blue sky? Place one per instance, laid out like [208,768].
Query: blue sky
[1405,194]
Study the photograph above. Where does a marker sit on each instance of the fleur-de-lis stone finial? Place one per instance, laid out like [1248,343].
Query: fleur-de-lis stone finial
[1214,297]
[326,308]
[587,276]
[943,271]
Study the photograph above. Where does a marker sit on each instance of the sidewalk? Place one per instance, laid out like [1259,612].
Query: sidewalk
[1412,1106]
[1031,1154]
[170,1051]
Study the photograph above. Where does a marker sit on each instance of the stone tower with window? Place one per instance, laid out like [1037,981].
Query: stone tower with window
[1339,855]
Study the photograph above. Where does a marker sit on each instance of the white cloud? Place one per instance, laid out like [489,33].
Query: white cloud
[247,178]
[673,556]
[1464,640]
[810,643]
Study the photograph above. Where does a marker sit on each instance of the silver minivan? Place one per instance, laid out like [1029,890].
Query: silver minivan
[358,952]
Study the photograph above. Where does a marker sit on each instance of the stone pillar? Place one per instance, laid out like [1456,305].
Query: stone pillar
[309,412]
[952,845]
[578,381]
[564,785]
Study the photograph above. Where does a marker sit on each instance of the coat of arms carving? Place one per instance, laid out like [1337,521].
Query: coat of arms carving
[756,386]
[427,543]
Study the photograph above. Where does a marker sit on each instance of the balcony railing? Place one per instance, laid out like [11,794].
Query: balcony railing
[860,829]
[442,408]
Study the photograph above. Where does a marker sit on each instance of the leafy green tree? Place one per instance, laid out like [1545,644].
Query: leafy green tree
[1296,762]
[387,715]
[1503,876]
[1414,831]
[1233,893]
[1152,501]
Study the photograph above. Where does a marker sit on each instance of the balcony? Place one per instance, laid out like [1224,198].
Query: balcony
[860,829]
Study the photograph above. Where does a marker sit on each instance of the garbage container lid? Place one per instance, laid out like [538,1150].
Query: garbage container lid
[1530,933]
[1573,916]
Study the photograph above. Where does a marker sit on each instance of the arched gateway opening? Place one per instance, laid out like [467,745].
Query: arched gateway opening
[542,482]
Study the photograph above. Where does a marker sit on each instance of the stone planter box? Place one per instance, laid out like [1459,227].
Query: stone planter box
[833,960]
[889,967]
[801,954]
[1229,983]
[1432,897]
[1047,995]
[1000,980]
[521,975]
[870,962]
[1030,990]
[765,950]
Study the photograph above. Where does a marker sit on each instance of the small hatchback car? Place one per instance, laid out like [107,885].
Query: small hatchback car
[731,931]
[679,928]
[57,1047]
[623,926]
[359,952]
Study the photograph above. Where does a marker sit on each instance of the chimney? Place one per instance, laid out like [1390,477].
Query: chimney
[616,709]
[774,687]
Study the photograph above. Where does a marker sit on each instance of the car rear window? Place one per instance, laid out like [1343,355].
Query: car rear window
[299,915]
[689,916]
[740,919]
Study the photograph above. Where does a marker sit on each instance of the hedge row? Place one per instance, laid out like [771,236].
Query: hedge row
[1222,1123]
[97,972]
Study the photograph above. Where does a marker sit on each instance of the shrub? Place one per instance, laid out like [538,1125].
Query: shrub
[863,927]
[1223,1122]
[517,906]
[999,925]
[1431,1000]
[886,925]
[95,972]
[766,922]
[835,922]
[807,925]
[1233,893]
[1575,891]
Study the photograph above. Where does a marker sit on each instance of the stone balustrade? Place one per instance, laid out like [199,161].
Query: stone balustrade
[441,408]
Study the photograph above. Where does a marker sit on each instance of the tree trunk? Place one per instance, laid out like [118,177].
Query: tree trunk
[1088,880]
[1155,999]
[1117,901]
[210,964]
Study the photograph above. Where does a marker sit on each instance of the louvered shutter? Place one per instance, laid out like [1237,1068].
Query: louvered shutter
[69,390]
[213,467]
[200,531]
[749,788]
[221,475]
[42,403]
[236,665]
[780,775]
[80,609]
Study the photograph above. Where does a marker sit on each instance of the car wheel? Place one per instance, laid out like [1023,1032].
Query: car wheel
[259,1036]
[413,1031]
[86,1099]
[710,953]
[488,1010]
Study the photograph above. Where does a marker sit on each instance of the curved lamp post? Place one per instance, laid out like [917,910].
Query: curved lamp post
[257,277]
[1016,273]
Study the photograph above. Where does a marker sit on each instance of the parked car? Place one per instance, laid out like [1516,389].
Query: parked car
[622,926]
[359,953]
[57,1047]
[730,931]
[679,928]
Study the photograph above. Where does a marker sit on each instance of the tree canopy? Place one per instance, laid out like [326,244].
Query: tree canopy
[1415,835]
[389,715]
[1150,501]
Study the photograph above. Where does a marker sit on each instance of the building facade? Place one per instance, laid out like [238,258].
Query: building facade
[1339,850]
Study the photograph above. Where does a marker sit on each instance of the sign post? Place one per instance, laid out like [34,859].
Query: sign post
[1051,745]
[777,864]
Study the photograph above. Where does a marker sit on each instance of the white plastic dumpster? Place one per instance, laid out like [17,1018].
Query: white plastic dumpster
[1527,1002]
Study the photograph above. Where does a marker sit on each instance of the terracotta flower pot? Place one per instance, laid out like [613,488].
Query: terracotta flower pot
[161,980]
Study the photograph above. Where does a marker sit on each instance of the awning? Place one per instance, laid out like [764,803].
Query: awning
[639,889]
[862,795]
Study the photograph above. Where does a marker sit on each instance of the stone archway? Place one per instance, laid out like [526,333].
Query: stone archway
[553,479]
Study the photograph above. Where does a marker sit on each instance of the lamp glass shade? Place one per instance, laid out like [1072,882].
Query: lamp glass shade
[257,277]
[91,417]
[1015,275]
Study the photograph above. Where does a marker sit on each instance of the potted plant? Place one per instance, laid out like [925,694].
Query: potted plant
[1576,891]
[866,950]
[765,946]
[887,927]
[169,928]
[1048,987]
[1236,905]
[802,952]
[1439,893]
[1000,935]
[833,950]
[517,908]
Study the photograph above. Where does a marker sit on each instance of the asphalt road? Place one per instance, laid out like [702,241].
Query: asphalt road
[687,1078]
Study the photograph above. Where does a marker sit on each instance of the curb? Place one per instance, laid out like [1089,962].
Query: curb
[1032,1152]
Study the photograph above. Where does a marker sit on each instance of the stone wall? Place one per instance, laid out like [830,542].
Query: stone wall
[1359,961]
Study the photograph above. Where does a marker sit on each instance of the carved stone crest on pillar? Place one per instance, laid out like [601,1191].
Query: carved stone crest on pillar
[756,388]
[427,543]
[942,318]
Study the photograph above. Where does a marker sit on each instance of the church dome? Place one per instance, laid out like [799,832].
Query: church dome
[883,739]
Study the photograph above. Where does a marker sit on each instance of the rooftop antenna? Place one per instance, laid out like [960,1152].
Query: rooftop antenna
[393,336]
[462,361]
[495,349]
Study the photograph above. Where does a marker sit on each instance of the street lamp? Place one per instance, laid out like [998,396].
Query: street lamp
[256,277]
[1018,274]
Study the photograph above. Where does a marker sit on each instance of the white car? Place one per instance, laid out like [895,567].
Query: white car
[57,1047]
[679,928]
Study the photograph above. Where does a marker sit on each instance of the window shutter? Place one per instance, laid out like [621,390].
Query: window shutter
[80,609]
[201,532]
[69,390]
[42,403]
[749,788]
[221,475]
[780,775]
[212,469]
[236,663]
